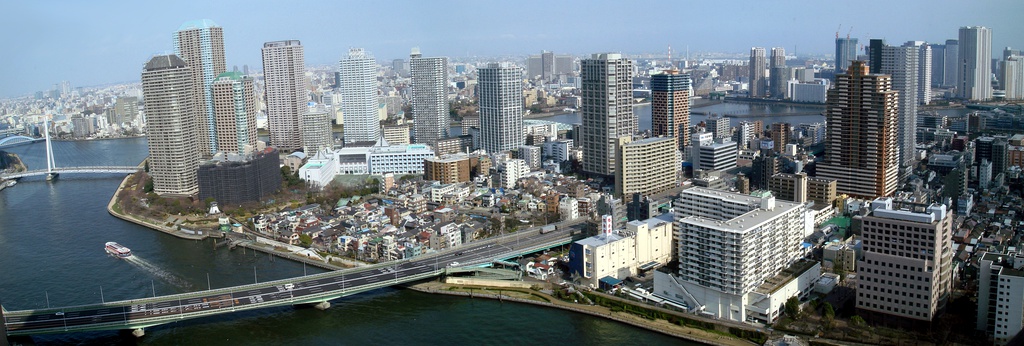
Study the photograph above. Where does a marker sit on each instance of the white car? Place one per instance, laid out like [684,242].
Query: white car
[453,264]
[289,286]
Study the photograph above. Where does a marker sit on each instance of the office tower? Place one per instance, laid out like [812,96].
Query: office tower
[778,73]
[548,67]
[606,110]
[762,169]
[951,64]
[168,92]
[719,126]
[974,73]
[126,108]
[647,166]
[316,129]
[709,153]
[1000,295]
[359,96]
[846,52]
[902,64]
[501,107]
[285,88]
[723,259]
[907,266]
[429,97]
[780,136]
[400,67]
[201,44]
[938,62]
[234,109]
[861,151]
[876,46]
[670,106]
[1013,77]
[758,84]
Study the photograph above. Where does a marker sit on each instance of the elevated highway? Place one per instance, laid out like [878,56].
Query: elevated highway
[316,289]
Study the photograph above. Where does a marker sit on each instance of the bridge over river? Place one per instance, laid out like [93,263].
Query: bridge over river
[316,289]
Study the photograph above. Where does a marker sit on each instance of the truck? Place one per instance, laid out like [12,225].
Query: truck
[548,228]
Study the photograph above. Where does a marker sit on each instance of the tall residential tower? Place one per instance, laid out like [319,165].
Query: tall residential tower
[284,72]
[606,111]
[861,148]
[670,106]
[358,86]
[429,97]
[974,73]
[758,84]
[168,92]
[234,109]
[501,107]
[200,43]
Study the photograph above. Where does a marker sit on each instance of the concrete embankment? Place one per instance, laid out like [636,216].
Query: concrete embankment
[660,326]
[156,225]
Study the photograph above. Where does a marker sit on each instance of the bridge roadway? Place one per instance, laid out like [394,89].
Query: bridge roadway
[74,170]
[319,288]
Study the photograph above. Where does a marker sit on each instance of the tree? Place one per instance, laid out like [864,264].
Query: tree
[792,307]
[305,240]
[837,268]
[857,321]
[829,315]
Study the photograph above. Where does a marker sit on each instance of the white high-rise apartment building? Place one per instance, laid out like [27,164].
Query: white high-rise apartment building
[1001,295]
[1013,77]
[974,74]
[606,110]
[501,107]
[358,87]
[316,129]
[429,97]
[200,43]
[728,246]
[903,65]
[924,70]
[284,73]
[170,120]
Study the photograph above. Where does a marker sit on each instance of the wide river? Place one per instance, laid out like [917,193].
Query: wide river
[51,253]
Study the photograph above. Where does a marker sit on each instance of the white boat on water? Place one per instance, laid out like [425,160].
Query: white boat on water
[118,250]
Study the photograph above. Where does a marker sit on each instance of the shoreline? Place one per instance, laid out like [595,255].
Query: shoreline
[692,334]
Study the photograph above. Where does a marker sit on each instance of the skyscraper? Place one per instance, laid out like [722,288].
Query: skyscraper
[201,44]
[974,72]
[501,107]
[758,84]
[1013,77]
[938,63]
[606,110]
[924,71]
[778,73]
[861,151]
[284,72]
[429,97]
[234,109]
[168,92]
[670,106]
[951,64]
[846,52]
[902,64]
[358,86]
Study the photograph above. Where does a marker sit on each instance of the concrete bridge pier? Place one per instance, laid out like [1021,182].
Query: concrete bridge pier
[139,333]
[324,305]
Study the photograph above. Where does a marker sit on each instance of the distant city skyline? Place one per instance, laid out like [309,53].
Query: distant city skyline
[107,51]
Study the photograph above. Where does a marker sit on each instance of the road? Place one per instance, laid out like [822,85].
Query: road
[281,292]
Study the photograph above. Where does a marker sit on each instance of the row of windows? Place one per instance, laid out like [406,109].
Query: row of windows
[890,283]
[891,309]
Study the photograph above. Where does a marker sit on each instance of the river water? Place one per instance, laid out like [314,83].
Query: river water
[51,248]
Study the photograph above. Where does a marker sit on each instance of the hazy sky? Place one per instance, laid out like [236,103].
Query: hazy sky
[99,42]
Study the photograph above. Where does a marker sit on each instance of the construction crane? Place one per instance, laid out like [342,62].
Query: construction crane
[837,30]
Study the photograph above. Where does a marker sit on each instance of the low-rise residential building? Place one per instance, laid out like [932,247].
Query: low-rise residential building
[642,245]
[1001,295]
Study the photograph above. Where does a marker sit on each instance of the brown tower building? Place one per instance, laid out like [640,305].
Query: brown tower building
[670,106]
[861,151]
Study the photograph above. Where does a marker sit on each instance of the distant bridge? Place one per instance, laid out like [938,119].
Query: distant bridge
[79,170]
[315,289]
[17,140]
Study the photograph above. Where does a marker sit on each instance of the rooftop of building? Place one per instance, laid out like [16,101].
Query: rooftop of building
[198,24]
[601,239]
[231,75]
[785,276]
[749,220]
[161,62]
[650,140]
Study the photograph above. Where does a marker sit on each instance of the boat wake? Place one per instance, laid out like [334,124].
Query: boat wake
[165,275]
